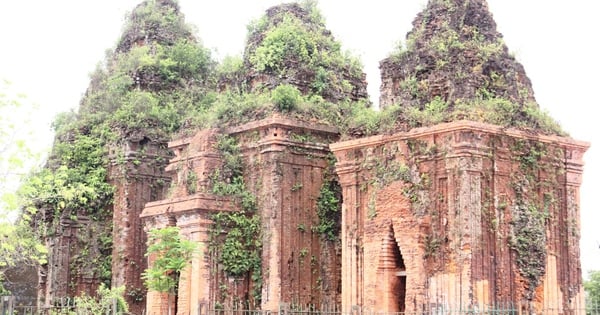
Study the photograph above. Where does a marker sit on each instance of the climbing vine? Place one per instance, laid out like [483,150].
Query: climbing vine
[329,206]
[528,238]
[171,254]
[141,91]
[235,236]
[531,211]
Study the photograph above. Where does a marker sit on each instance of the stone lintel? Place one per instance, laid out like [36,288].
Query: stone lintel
[132,147]
[276,145]
[348,174]
[461,125]
[196,202]
[197,156]
[286,123]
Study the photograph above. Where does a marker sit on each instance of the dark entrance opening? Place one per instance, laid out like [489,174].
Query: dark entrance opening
[392,275]
[400,287]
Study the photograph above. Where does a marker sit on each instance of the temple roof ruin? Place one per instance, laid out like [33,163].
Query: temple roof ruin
[291,45]
[454,63]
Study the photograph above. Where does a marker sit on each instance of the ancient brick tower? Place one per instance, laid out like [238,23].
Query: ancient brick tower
[456,213]
[461,195]
[99,238]
[470,201]
[287,167]
[286,175]
[461,214]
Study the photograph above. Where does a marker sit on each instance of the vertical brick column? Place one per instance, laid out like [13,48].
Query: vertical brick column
[351,212]
[572,281]
[137,172]
[388,277]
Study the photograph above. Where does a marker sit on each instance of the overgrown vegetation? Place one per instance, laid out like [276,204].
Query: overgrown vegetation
[142,92]
[329,204]
[290,43]
[236,240]
[19,248]
[106,301]
[286,97]
[529,238]
[592,288]
[170,254]
[532,210]
[454,65]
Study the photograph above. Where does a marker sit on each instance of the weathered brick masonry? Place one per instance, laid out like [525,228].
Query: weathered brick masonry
[286,174]
[459,214]
[440,234]
[429,219]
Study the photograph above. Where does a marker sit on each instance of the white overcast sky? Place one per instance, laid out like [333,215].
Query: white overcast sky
[48,49]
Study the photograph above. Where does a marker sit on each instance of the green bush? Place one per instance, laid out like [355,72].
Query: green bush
[288,41]
[286,97]
[172,254]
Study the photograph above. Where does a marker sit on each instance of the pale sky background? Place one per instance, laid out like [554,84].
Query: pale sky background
[48,49]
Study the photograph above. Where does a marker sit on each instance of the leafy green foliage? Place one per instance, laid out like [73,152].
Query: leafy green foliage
[239,251]
[171,254]
[230,66]
[154,21]
[286,97]
[235,236]
[18,246]
[592,286]
[231,74]
[159,67]
[433,112]
[329,210]
[227,109]
[16,156]
[102,304]
[291,44]
[78,183]
[289,40]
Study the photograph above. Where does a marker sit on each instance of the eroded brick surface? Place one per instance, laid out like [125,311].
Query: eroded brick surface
[453,209]
[284,166]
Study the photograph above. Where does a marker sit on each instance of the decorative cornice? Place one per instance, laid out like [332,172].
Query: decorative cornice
[279,121]
[197,202]
[459,126]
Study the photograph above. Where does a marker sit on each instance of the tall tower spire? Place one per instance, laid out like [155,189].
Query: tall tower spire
[454,55]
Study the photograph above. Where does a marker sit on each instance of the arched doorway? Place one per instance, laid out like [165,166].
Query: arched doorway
[391,275]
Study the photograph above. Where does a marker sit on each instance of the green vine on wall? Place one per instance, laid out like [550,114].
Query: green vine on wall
[387,167]
[529,240]
[329,206]
[531,210]
[171,254]
[235,236]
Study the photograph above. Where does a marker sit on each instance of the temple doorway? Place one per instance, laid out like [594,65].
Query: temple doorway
[392,275]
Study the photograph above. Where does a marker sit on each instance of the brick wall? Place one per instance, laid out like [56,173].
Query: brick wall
[454,213]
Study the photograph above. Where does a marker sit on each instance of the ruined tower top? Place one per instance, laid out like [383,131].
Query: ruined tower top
[154,21]
[291,45]
[455,63]
[457,15]
[156,60]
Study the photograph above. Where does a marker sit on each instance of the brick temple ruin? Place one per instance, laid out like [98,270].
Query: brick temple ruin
[456,214]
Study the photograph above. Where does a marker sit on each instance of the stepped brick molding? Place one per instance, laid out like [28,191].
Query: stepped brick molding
[444,232]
